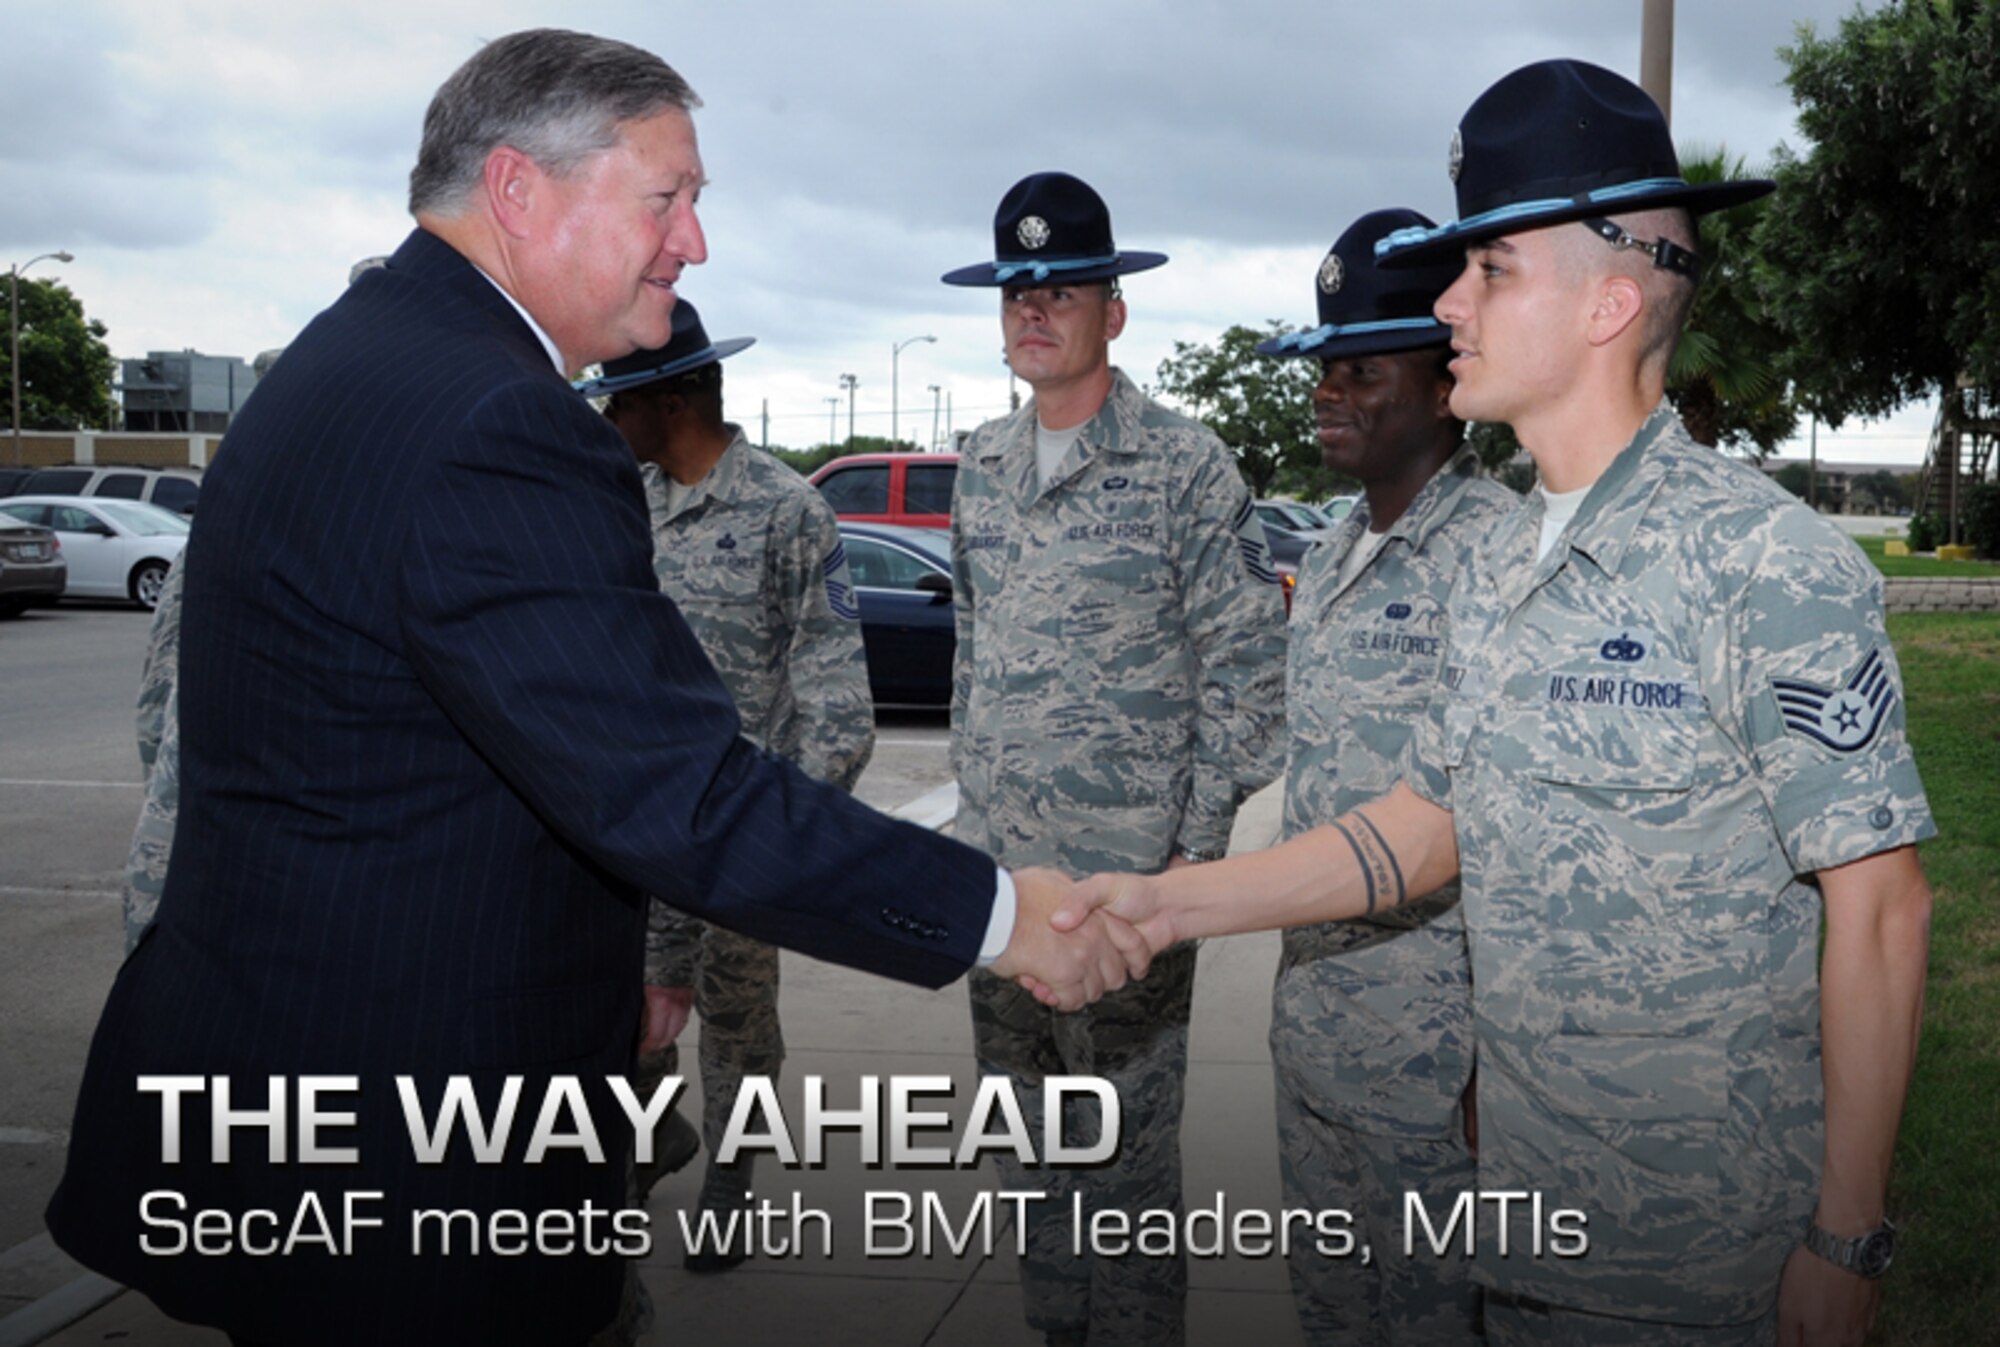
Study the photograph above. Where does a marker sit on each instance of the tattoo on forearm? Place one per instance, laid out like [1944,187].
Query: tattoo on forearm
[1395,870]
[1379,871]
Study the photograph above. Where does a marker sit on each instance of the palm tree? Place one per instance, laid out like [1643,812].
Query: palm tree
[1724,379]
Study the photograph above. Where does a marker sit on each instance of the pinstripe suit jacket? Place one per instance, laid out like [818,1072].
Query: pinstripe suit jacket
[440,731]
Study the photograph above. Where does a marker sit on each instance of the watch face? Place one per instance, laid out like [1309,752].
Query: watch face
[1872,1258]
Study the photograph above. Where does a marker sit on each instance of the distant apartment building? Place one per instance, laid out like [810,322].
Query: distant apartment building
[184,392]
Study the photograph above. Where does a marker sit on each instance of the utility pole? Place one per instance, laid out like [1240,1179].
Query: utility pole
[1812,465]
[850,383]
[832,410]
[1656,55]
[947,416]
[937,394]
[765,442]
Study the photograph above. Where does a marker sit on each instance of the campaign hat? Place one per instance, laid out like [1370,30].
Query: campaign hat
[1366,309]
[1558,141]
[1052,227]
[687,349]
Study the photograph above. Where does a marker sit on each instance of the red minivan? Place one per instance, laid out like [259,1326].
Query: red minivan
[913,489]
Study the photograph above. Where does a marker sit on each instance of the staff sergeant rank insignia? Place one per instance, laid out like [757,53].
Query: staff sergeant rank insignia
[1846,718]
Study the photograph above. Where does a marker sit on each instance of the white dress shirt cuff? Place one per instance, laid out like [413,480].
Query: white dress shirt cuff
[999,926]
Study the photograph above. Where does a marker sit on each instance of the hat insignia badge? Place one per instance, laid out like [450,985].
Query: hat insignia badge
[1033,231]
[1331,273]
[1455,157]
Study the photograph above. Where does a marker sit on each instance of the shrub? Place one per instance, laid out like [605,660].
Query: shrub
[1981,518]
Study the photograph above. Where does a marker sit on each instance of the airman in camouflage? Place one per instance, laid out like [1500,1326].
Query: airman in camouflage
[1651,734]
[1364,1116]
[752,557]
[1668,741]
[1660,721]
[160,757]
[1116,695]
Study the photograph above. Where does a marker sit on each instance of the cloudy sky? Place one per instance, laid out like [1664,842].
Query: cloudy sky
[216,165]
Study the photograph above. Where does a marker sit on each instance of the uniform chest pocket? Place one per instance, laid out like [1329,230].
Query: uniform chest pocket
[1113,591]
[1617,735]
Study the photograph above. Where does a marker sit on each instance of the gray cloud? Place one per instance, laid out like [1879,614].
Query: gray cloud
[856,151]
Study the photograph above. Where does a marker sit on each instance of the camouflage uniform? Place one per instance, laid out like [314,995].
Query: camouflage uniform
[753,560]
[1116,692]
[1371,1020]
[1646,738]
[160,757]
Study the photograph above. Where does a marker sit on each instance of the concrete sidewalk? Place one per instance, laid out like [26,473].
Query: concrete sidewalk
[842,1026]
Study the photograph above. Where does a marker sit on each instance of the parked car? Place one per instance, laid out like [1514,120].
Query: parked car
[1294,517]
[907,489]
[116,549]
[902,578]
[1336,508]
[1288,550]
[32,569]
[174,489]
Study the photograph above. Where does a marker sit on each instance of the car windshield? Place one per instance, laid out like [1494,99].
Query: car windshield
[148,521]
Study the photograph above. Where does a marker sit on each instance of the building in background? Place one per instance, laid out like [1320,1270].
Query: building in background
[184,392]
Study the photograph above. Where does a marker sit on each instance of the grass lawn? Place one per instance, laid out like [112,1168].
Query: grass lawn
[1945,1287]
[1924,566]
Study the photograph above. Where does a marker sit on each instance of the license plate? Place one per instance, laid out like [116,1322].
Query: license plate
[31,551]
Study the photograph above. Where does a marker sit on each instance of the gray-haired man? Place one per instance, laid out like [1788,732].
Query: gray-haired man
[440,733]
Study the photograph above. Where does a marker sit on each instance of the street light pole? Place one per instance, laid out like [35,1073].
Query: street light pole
[937,405]
[895,356]
[14,336]
[850,383]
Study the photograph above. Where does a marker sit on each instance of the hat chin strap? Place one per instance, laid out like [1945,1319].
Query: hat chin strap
[1666,254]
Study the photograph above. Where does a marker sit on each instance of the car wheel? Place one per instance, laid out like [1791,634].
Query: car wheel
[148,579]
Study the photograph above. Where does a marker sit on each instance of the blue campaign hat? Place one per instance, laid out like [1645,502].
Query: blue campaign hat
[1052,227]
[1559,141]
[687,349]
[1365,309]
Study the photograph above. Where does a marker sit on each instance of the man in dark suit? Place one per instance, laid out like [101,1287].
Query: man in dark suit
[440,732]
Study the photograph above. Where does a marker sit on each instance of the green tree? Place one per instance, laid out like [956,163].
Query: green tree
[1879,492]
[1260,407]
[1795,478]
[65,365]
[1878,255]
[1725,381]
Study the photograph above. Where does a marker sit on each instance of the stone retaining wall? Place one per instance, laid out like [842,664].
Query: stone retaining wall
[1946,594]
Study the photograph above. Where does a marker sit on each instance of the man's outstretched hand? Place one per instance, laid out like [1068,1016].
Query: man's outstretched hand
[1074,966]
[1123,903]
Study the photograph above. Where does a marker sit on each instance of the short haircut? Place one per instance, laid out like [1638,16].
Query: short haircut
[1669,295]
[555,96]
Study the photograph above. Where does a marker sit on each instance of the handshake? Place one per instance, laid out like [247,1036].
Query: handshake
[1075,941]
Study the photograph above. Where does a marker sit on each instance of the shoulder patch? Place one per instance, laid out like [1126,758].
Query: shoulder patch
[1251,542]
[839,593]
[1844,719]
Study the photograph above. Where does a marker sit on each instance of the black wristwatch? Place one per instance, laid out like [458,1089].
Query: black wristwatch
[1867,1255]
